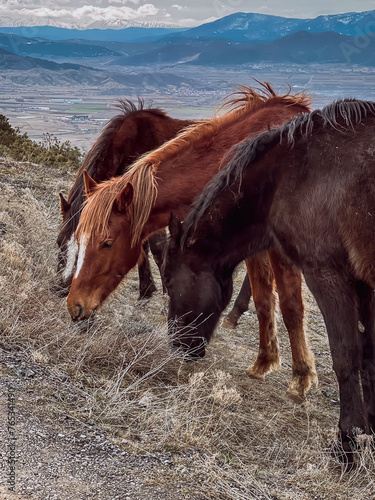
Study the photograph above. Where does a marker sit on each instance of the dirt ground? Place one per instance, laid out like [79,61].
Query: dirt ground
[59,457]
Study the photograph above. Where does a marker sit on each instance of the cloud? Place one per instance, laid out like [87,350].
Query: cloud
[124,1]
[188,22]
[265,10]
[31,4]
[88,12]
[178,7]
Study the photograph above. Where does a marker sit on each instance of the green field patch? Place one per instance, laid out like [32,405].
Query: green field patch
[89,108]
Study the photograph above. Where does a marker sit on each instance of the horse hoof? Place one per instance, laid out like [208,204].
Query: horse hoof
[342,452]
[228,323]
[250,372]
[147,294]
[297,396]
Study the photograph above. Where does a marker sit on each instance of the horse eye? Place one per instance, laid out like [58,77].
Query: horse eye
[107,244]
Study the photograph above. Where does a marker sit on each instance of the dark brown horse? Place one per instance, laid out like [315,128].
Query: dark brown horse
[308,190]
[120,214]
[126,136]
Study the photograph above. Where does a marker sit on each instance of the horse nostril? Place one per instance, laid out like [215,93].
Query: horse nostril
[76,311]
[79,310]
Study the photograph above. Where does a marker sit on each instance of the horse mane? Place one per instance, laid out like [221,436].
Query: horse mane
[142,174]
[127,107]
[351,111]
[257,97]
[98,206]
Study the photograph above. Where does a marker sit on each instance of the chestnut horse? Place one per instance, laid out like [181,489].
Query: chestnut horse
[125,137]
[121,213]
[307,189]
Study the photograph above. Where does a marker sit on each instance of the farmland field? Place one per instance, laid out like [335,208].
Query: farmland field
[39,109]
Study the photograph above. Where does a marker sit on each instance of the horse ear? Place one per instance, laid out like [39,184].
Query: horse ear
[89,183]
[124,199]
[64,205]
[175,228]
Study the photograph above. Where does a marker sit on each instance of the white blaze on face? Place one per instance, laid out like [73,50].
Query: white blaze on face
[71,257]
[81,256]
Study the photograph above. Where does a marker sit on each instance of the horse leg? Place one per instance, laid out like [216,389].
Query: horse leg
[335,296]
[367,337]
[289,286]
[240,305]
[262,285]
[146,282]
[157,244]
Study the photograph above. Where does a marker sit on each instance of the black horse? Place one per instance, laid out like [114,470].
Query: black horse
[308,190]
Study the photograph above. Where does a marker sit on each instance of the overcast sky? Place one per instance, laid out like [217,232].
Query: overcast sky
[176,12]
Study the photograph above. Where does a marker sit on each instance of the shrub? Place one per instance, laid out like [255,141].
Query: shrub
[50,152]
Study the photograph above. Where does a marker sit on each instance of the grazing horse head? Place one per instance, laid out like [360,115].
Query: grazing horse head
[198,294]
[124,138]
[100,266]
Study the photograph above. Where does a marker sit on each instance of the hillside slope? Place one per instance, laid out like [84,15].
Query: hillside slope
[107,411]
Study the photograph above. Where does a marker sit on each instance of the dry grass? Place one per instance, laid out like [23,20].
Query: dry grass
[238,438]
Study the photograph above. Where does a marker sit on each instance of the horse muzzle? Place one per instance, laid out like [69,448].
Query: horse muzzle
[187,341]
[80,313]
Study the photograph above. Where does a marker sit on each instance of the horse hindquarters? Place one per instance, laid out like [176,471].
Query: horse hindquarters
[336,298]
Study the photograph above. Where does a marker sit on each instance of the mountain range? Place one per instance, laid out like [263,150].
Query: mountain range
[130,34]
[239,27]
[262,28]
[302,47]
[237,39]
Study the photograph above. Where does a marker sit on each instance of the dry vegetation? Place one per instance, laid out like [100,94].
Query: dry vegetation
[235,438]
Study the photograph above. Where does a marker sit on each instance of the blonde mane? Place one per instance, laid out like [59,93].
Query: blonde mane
[143,173]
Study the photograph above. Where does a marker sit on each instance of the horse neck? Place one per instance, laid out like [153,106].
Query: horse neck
[138,134]
[149,132]
[174,127]
[183,174]
[237,224]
